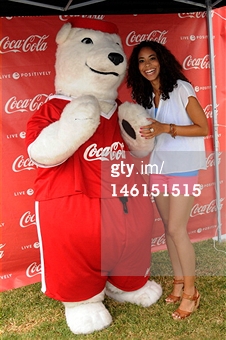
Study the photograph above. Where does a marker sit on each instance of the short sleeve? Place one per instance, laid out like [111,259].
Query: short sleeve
[47,114]
[186,90]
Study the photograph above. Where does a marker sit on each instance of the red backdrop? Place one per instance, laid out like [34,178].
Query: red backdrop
[27,52]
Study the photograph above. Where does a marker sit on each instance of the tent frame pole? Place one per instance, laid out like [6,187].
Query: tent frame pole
[215,118]
[209,7]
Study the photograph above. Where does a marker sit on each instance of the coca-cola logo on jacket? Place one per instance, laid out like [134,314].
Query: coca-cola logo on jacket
[33,43]
[114,151]
[134,38]
[24,105]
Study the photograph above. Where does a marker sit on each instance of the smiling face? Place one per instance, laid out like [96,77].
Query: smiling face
[149,65]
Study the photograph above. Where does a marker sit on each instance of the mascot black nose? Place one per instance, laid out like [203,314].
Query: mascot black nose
[116,58]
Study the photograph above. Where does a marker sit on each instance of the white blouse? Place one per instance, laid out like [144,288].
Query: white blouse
[182,153]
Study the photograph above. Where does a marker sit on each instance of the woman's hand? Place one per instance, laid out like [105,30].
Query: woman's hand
[198,128]
[153,129]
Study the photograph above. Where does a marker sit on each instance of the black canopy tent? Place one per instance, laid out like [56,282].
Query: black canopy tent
[107,7]
[86,7]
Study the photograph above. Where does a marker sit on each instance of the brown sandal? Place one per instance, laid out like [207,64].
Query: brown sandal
[173,298]
[180,314]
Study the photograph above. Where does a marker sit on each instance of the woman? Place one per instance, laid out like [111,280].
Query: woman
[178,124]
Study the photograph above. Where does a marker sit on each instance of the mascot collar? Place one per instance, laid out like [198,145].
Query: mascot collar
[105,115]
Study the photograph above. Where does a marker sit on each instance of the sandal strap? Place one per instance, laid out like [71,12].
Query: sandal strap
[181,314]
[193,297]
[178,282]
[173,298]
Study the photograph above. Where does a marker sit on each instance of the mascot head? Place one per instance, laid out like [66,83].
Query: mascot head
[89,59]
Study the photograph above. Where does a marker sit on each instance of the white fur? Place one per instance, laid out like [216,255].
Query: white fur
[61,139]
[92,92]
[87,316]
[74,59]
[145,296]
[137,116]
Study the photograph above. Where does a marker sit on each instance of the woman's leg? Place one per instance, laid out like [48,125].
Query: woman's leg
[163,206]
[175,212]
[180,208]
[179,214]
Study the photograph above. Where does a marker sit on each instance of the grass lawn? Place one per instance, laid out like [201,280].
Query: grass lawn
[28,314]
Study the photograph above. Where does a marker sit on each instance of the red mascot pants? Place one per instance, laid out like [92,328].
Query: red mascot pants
[86,241]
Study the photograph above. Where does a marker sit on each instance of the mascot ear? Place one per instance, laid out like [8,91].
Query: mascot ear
[63,33]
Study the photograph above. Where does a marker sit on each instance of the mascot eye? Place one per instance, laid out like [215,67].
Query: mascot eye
[87,41]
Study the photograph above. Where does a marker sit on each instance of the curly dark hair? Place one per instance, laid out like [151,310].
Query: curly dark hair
[170,72]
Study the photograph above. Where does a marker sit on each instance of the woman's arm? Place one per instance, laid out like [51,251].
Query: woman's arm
[196,114]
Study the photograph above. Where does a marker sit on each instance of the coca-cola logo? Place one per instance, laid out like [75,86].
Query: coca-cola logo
[193,15]
[33,43]
[2,251]
[196,63]
[219,14]
[210,160]
[24,105]
[27,220]
[134,38]
[209,110]
[158,241]
[115,151]
[34,269]
[66,17]
[21,164]
[206,209]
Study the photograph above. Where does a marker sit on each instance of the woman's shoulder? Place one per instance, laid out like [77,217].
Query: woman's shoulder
[182,84]
[185,87]
[182,92]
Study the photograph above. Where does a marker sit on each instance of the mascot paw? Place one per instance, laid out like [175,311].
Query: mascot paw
[145,296]
[131,118]
[82,113]
[87,317]
[58,141]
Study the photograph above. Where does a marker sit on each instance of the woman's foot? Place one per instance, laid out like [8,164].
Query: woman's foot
[175,296]
[189,304]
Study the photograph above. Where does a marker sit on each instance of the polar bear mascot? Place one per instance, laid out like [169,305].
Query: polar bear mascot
[94,223]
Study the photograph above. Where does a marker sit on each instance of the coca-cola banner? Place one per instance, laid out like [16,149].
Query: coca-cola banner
[27,52]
